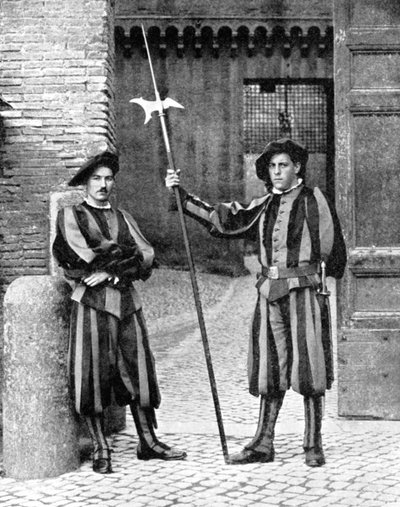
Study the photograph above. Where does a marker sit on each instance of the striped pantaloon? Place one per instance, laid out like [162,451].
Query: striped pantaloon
[107,354]
[290,345]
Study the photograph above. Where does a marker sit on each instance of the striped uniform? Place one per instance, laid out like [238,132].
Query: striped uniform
[109,347]
[290,344]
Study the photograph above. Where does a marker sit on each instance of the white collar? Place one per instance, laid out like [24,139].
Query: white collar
[107,206]
[276,191]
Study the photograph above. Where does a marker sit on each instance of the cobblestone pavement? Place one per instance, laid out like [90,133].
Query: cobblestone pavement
[363,457]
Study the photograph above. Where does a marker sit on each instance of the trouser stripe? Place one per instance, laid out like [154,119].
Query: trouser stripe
[313,412]
[95,361]
[268,415]
[279,346]
[262,421]
[116,357]
[295,343]
[142,365]
[263,348]
[144,422]
[78,356]
[95,427]
[253,358]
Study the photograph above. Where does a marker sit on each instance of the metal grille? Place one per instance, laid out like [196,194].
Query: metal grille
[295,110]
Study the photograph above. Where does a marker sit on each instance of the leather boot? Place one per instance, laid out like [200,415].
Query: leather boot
[102,461]
[149,446]
[261,448]
[313,410]
[101,450]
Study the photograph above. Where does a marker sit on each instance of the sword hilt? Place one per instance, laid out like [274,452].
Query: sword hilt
[324,289]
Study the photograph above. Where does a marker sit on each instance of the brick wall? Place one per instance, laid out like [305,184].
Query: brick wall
[56,70]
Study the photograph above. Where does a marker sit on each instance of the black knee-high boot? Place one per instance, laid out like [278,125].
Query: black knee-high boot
[261,448]
[149,446]
[312,444]
[101,450]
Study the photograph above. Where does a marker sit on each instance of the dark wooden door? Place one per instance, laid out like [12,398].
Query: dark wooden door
[367,109]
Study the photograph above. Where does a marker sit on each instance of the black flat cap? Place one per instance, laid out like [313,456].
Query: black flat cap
[105,159]
[296,152]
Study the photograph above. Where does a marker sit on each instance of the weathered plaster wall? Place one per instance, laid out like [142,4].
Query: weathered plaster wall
[203,67]
[314,8]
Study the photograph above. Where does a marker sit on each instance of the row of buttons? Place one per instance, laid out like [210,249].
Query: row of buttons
[277,229]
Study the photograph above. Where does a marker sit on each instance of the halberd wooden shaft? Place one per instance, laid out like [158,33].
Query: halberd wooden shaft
[160,108]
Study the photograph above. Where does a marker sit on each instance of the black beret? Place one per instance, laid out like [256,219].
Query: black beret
[296,152]
[106,159]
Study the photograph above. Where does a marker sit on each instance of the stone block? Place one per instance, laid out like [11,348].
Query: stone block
[40,429]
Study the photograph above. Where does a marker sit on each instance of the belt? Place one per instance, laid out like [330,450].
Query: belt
[277,272]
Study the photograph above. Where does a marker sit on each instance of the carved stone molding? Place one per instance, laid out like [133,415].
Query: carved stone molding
[251,36]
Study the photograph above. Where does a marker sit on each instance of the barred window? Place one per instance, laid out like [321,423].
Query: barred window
[277,108]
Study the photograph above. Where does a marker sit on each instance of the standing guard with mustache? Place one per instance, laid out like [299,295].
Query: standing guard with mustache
[297,231]
[102,251]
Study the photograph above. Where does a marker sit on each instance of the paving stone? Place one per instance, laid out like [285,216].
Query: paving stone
[31,503]
[321,502]
[51,500]
[373,503]
[363,465]
[339,485]
[350,501]
[296,489]
[11,503]
[298,501]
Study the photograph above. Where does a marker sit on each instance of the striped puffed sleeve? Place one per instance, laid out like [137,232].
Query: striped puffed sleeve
[333,248]
[226,219]
[146,260]
[70,248]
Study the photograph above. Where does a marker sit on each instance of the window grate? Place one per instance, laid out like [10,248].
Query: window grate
[295,110]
